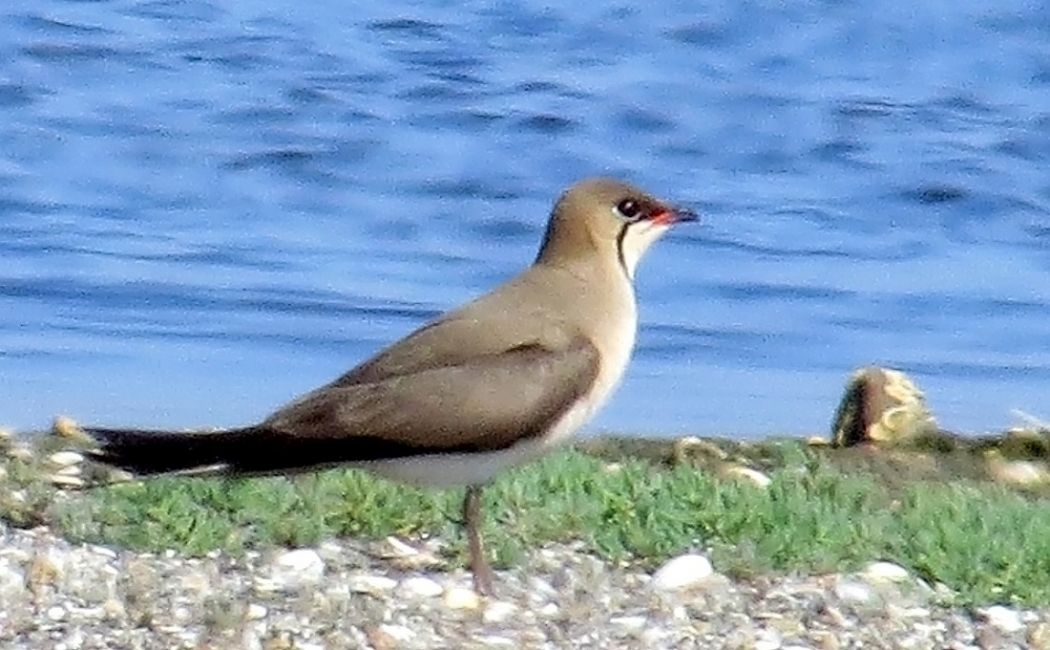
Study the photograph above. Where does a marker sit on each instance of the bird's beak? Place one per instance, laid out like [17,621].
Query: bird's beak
[674,215]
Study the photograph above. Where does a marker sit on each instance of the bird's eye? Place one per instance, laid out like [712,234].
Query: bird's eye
[629,209]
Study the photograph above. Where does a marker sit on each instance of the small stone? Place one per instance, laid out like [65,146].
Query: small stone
[629,624]
[12,579]
[461,598]
[65,458]
[113,609]
[882,572]
[65,427]
[1002,618]
[372,585]
[66,481]
[1039,636]
[1023,473]
[44,570]
[405,556]
[256,612]
[182,615]
[398,633]
[56,613]
[767,639]
[540,590]
[748,475]
[549,610]
[20,452]
[499,612]
[294,569]
[420,587]
[69,470]
[854,592]
[493,641]
[682,572]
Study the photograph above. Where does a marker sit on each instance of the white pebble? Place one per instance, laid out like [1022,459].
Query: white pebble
[371,584]
[752,476]
[1003,618]
[293,569]
[767,640]
[855,592]
[398,633]
[461,598]
[61,480]
[56,613]
[65,458]
[682,572]
[629,624]
[499,612]
[492,641]
[881,572]
[12,579]
[256,612]
[550,609]
[420,587]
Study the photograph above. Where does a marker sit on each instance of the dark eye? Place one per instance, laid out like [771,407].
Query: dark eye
[629,209]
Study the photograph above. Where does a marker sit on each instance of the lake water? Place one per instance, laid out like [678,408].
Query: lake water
[207,208]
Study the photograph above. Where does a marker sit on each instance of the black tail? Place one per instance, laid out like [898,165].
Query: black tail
[144,452]
[252,450]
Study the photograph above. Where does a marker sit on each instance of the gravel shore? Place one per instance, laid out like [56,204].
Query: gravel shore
[392,595]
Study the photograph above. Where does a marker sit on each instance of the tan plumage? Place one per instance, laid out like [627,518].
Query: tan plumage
[485,386]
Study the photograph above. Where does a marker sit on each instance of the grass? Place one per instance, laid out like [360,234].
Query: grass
[986,542]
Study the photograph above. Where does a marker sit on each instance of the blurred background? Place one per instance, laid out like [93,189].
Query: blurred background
[208,208]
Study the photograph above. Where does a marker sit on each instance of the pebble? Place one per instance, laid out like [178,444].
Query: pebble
[65,458]
[419,587]
[64,480]
[855,592]
[56,613]
[12,580]
[749,476]
[1039,636]
[1004,619]
[371,584]
[629,624]
[256,612]
[767,639]
[406,556]
[398,633]
[881,572]
[21,451]
[294,569]
[461,598]
[682,572]
[499,612]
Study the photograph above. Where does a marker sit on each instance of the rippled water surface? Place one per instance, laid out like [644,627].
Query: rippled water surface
[207,208]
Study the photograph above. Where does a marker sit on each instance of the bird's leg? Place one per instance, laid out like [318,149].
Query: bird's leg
[479,565]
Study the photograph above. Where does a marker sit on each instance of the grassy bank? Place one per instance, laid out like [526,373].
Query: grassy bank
[986,542]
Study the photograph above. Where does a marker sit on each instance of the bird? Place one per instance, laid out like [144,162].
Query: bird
[492,384]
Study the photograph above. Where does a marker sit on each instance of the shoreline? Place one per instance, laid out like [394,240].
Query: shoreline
[827,554]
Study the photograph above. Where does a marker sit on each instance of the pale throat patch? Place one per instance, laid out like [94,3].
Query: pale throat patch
[640,236]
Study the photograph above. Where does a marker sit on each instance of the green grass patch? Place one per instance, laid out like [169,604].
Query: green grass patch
[986,542]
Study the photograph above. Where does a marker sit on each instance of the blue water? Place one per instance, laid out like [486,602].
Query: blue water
[207,208]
